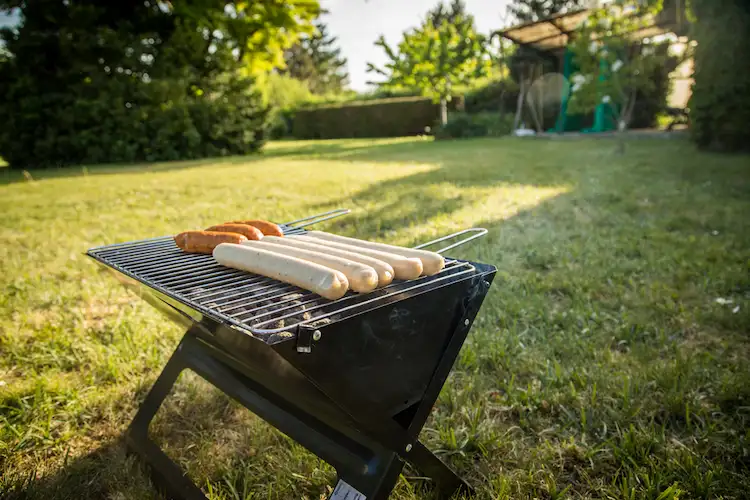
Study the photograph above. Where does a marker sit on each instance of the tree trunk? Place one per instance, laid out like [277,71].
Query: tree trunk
[624,121]
[443,111]
[519,104]
[622,128]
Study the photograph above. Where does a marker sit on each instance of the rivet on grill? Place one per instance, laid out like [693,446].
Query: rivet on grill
[317,335]
[466,322]
[408,448]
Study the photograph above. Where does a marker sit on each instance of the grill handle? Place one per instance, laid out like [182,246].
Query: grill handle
[314,219]
[476,232]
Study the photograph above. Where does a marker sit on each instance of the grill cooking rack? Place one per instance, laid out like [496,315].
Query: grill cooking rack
[256,304]
[352,380]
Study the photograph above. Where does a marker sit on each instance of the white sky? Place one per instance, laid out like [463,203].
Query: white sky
[358,23]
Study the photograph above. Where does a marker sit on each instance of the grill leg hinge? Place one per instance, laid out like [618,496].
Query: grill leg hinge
[305,338]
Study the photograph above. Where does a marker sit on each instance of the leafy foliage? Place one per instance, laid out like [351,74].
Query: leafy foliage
[720,104]
[534,10]
[485,124]
[379,118]
[257,32]
[283,94]
[612,67]
[315,61]
[443,52]
[137,81]
[497,95]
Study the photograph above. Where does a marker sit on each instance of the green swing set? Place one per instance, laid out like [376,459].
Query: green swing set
[603,115]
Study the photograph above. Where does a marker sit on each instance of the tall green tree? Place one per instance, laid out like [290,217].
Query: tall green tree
[86,81]
[444,51]
[720,103]
[317,61]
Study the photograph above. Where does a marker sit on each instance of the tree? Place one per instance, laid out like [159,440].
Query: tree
[534,10]
[720,103]
[436,57]
[316,61]
[85,81]
[613,67]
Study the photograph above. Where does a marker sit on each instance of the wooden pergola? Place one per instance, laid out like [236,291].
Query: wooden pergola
[555,32]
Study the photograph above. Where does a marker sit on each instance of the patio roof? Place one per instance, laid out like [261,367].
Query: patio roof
[554,32]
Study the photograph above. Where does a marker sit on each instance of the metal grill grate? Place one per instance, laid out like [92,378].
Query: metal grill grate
[254,303]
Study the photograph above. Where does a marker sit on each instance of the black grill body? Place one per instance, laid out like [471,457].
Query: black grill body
[354,387]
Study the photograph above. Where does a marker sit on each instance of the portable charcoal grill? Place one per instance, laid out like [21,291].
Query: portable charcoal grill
[353,380]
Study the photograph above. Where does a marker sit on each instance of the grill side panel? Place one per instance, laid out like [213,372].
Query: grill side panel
[385,359]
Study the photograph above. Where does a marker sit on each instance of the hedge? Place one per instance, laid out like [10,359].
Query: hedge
[720,104]
[383,118]
[483,124]
[111,120]
[497,96]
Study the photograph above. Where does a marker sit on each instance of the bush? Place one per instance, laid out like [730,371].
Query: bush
[109,119]
[280,124]
[384,118]
[283,92]
[465,125]
[499,96]
[100,90]
[720,104]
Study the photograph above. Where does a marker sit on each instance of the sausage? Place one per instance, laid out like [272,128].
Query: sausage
[267,228]
[384,270]
[205,241]
[322,280]
[246,230]
[432,262]
[404,268]
[362,278]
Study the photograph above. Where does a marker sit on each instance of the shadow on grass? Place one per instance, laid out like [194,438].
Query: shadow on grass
[102,474]
[282,149]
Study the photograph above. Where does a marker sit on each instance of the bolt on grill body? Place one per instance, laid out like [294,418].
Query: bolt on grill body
[353,380]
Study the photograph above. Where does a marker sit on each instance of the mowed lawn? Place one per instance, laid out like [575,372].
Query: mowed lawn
[610,360]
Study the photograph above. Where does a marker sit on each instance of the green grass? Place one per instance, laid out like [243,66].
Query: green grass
[601,365]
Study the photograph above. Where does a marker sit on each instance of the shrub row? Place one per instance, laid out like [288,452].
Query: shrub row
[111,120]
[497,96]
[484,124]
[383,118]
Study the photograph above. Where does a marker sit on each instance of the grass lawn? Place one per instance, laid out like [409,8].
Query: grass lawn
[611,359]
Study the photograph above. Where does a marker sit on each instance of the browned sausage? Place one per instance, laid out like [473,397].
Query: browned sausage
[268,228]
[205,241]
[246,230]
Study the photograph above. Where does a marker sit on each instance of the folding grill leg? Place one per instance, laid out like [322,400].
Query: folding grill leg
[446,481]
[167,473]
[374,477]
[372,472]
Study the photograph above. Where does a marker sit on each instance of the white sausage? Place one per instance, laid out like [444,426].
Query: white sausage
[432,262]
[405,268]
[384,269]
[361,278]
[322,280]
